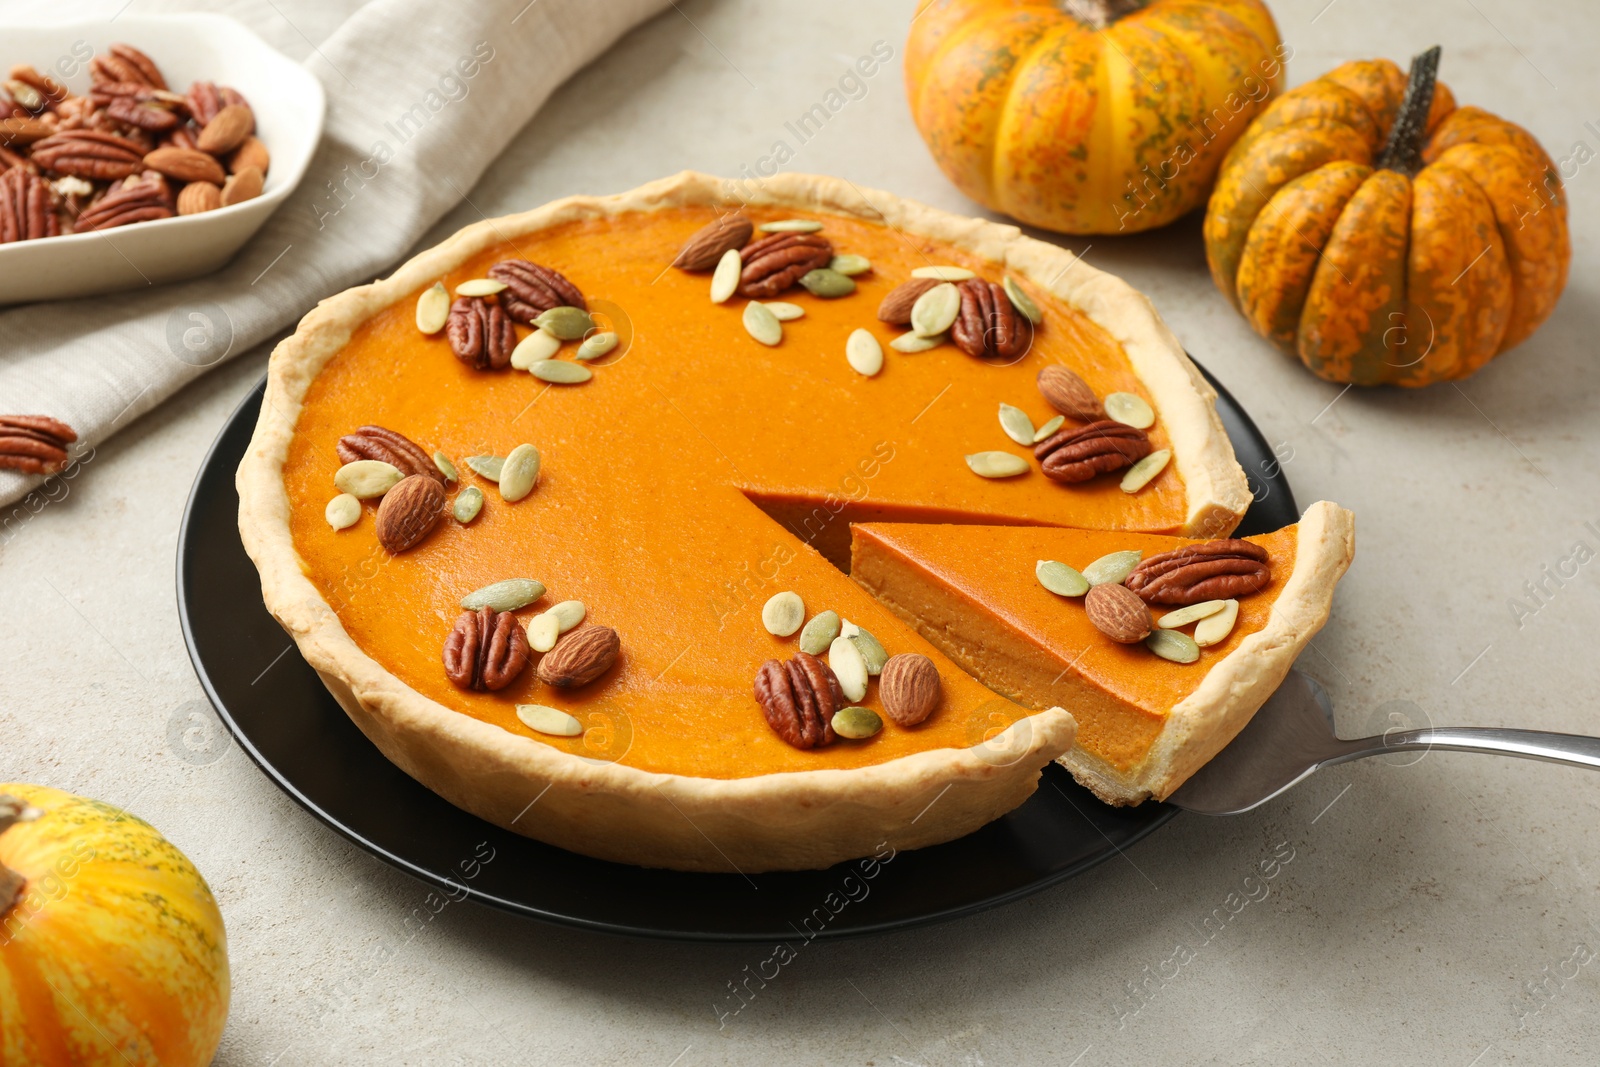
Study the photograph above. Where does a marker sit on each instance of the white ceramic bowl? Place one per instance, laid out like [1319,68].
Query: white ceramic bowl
[288,102]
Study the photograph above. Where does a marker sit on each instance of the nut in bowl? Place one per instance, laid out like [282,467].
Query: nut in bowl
[143,152]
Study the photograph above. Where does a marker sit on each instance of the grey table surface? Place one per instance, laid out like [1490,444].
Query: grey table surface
[1440,912]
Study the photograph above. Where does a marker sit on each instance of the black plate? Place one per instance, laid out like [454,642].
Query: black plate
[279,712]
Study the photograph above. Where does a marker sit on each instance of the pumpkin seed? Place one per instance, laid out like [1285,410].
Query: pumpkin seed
[850,265]
[1016,424]
[762,324]
[433,309]
[783,613]
[936,310]
[1060,578]
[480,287]
[534,347]
[1144,472]
[784,311]
[725,279]
[506,595]
[596,345]
[568,614]
[445,467]
[819,633]
[548,720]
[863,352]
[1193,613]
[468,503]
[367,478]
[849,667]
[543,632]
[343,511]
[944,273]
[519,474]
[996,464]
[566,323]
[915,342]
[1048,428]
[1215,630]
[872,651]
[1112,568]
[1130,410]
[848,628]
[1022,301]
[487,466]
[1174,645]
[827,284]
[558,373]
[856,723]
[791,226]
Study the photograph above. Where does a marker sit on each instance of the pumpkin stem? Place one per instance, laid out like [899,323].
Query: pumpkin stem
[1403,153]
[1098,14]
[12,810]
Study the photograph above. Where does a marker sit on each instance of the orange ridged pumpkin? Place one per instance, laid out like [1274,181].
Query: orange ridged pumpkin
[1089,116]
[1384,235]
[112,951]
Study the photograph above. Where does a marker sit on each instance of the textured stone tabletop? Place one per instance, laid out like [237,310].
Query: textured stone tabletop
[1441,912]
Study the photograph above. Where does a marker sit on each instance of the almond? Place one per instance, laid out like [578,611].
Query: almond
[197,197]
[1117,612]
[245,185]
[186,165]
[227,130]
[712,241]
[580,657]
[896,307]
[910,688]
[409,512]
[1069,394]
[252,153]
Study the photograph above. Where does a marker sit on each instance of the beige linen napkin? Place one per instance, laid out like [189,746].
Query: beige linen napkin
[99,363]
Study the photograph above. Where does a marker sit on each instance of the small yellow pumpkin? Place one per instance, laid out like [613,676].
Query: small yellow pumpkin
[1382,234]
[1089,116]
[112,951]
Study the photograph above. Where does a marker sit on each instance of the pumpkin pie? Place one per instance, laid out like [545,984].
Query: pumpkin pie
[670,487]
[1145,724]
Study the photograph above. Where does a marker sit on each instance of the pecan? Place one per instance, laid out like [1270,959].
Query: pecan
[712,241]
[51,90]
[186,165]
[142,114]
[178,137]
[409,512]
[481,334]
[227,129]
[376,442]
[777,261]
[1211,570]
[89,154]
[208,98]
[142,199]
[896,307]
[9,160]
[197,197]
[909,688]
[799,698]
[15,131]
[580,657]
[1076,454]
[988,326]
[486,651]
[532,289]
[27,209]
[25,98]
[125,63]
[1069,394]
[34,444]
[1116,611]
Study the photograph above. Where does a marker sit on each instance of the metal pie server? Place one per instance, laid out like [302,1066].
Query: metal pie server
[1292,737]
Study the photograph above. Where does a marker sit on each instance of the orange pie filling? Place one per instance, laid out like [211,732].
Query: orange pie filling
[699,472]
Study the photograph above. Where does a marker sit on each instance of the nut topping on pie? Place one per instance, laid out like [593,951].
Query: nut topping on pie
[531,289]
[1214,570]
[1076,454]
[774,263]
[409,512]
[486,650]
[988,326]
[580,657]
[1069,394]
[799,698]
[481,334]
[909,688]
[376,442]
[1117,612]
[714,239]
[896,307]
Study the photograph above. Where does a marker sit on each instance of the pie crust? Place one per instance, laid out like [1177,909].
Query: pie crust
[788,820]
